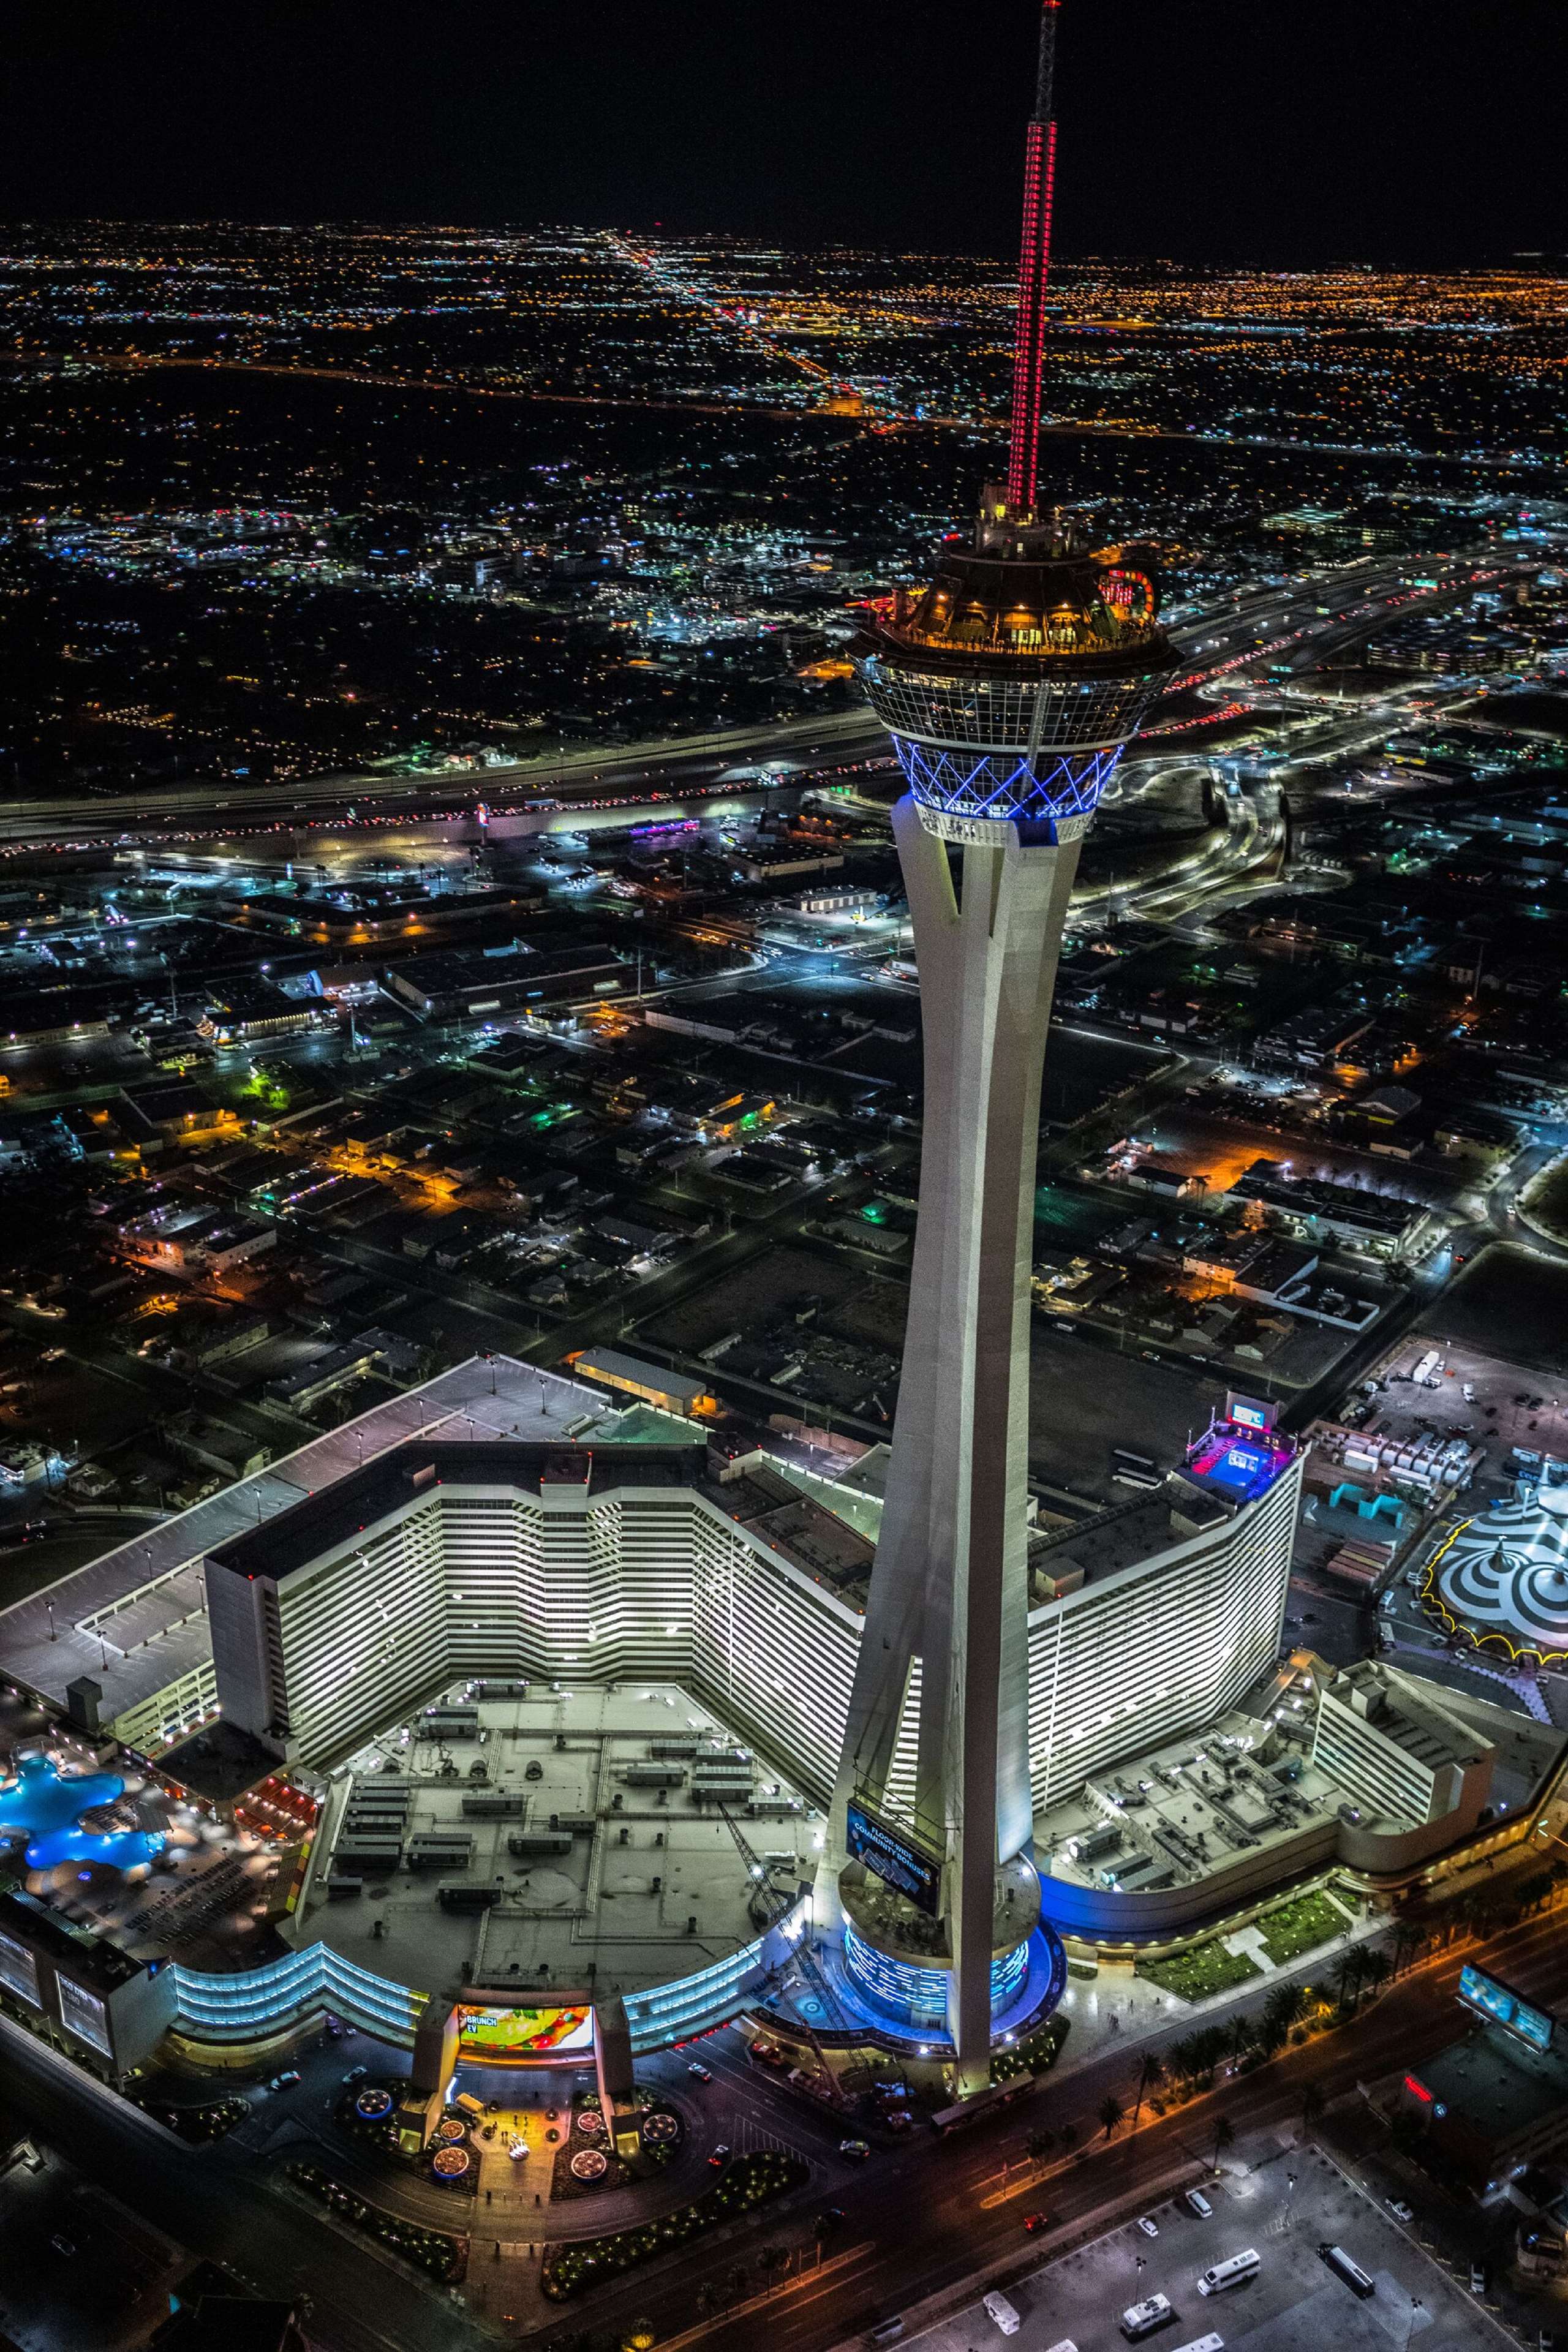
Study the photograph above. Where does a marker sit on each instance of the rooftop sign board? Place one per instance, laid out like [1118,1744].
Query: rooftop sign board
[1493,2001]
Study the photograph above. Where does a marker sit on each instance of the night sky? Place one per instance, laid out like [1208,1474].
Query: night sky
[1207,130]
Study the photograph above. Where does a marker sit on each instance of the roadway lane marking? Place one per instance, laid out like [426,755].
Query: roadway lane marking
[821,2281]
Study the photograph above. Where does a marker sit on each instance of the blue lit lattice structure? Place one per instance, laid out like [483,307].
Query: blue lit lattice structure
[1031,751]
[917,1996]
[991,784]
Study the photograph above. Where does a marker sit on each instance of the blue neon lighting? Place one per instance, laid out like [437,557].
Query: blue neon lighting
[920,1994]
[1001,784]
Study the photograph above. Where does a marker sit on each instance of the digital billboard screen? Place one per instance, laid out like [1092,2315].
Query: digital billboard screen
[1493,1999]
[85,2014]
[895,1860]
[19,1970]
[514,2036]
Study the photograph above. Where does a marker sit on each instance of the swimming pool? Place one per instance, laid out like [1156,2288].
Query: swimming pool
[47,1805]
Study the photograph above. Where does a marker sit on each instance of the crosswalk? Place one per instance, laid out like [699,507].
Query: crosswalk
[755,2139]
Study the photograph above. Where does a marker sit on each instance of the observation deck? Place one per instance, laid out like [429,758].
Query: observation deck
[1011,684]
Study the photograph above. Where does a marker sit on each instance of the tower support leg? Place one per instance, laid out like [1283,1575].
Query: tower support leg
[950,1581]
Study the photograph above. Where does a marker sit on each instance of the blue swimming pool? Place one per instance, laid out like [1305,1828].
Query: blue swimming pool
[46,1806]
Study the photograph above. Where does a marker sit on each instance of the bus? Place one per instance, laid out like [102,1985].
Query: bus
[1210,2342]
[1346,2267]
[1235,2271]
[1142,2318]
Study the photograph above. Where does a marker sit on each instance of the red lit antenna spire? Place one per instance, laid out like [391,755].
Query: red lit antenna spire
[1034,268]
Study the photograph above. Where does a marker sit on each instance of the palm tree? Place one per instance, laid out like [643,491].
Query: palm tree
[1210,2047]
[1151,2074]
[1224,2136]
[1408,1940]
[1066,2138]
[1039,2145]
[1375,1971]
[1111,2112]
[1180,2055]
[1313,2102]
[1350,1974]
[1285,2002]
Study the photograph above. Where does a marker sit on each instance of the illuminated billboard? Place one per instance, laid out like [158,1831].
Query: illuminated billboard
[1493,2001]
[894,1859]
[508,2037]
[1250,1412]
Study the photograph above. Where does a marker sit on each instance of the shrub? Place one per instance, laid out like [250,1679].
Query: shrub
[750,2181]
[428,2250]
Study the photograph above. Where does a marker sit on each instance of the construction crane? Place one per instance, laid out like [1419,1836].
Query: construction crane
[767,1905]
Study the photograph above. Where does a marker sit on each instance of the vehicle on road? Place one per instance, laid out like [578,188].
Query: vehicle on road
[888,2332]
[1235,2271]
[998,2308]
[1040,2220]
[62,2245]
[856,2150]
[286,2080]
[356,2074]
[704,2073]
[1142,2319]
[1477,2279]
[720,2156]
[1147,2224]
[1345,2266]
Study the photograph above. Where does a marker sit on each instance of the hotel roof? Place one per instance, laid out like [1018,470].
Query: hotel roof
[133,1621]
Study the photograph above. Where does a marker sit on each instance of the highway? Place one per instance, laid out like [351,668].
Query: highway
[1282,621]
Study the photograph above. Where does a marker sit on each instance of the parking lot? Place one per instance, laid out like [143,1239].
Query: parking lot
[1495,1404]
[1283,2202]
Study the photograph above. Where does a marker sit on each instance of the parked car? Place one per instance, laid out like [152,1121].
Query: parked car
[1399,2208]
[1147,2224]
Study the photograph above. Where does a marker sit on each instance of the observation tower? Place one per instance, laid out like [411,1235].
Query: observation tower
[1009,687]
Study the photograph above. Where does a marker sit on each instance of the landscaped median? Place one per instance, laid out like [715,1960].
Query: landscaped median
[429,2250]
[750,2181]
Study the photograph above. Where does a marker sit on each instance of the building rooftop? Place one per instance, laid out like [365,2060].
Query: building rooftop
[52,1638]
[646,1882]
[1182,1812]
[319,1523]
[1496,2083]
